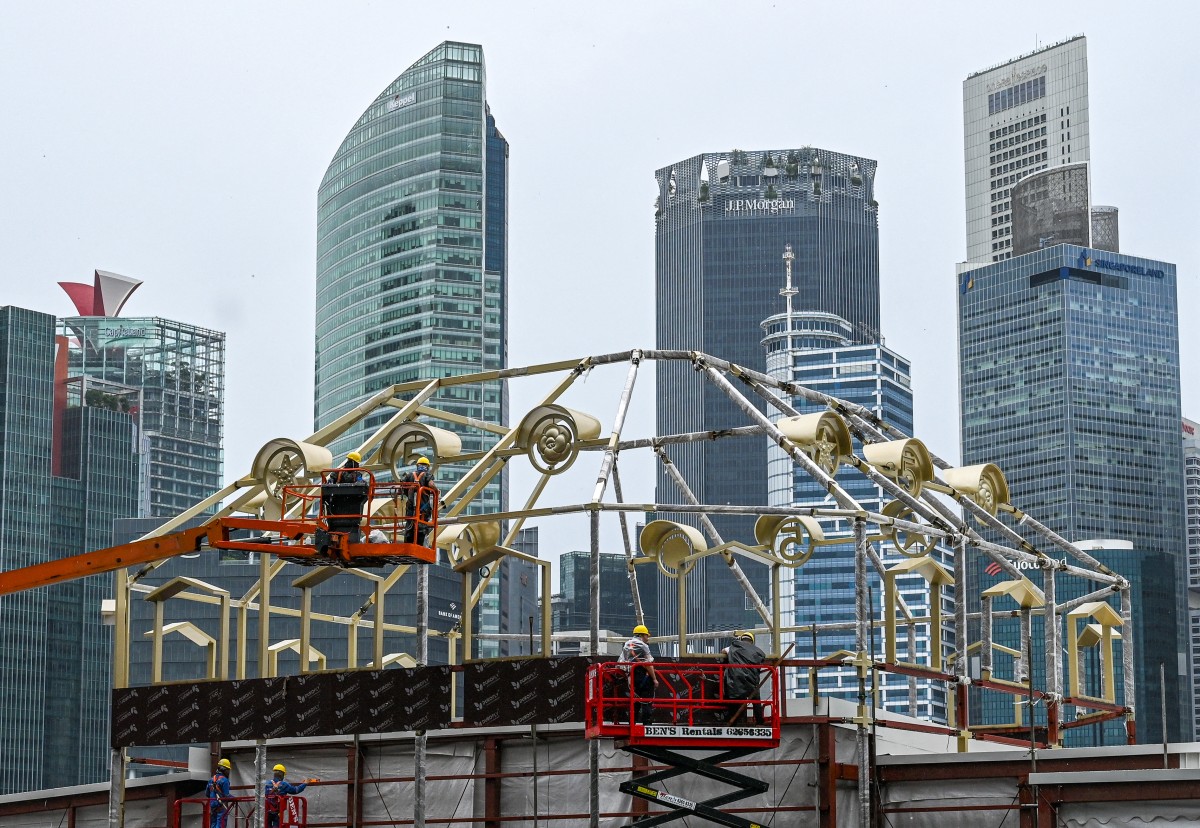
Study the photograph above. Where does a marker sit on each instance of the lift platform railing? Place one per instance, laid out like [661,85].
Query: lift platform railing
[238,812]
[694,705]
[348,519]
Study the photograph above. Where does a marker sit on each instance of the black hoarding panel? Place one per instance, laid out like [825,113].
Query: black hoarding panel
[533,691]
[422,698]
[275,724]
[240,715]
[126,716]
[191,710]
[381,689]
[348,703]
[564,689]
[308,709]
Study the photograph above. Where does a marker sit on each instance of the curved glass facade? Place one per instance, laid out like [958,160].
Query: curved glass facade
[411,248]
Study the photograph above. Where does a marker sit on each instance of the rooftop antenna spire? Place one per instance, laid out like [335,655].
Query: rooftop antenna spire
[787,291]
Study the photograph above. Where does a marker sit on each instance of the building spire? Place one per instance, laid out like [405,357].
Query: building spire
[787,291]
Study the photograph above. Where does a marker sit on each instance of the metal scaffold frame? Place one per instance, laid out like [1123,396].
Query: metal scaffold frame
[932,504]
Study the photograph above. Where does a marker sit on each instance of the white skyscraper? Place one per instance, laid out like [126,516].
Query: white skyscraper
[1191,483]
[1024,115]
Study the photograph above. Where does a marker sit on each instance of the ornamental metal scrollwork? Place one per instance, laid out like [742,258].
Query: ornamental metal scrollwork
[910,544]
[793,538]
[551,435]
[671,544]
[823,436]
[985,484]
[408,441]
[464,541]
[286,462]
[905,461]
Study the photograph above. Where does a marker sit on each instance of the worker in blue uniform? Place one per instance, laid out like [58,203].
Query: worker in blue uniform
[220,800]
[276,789]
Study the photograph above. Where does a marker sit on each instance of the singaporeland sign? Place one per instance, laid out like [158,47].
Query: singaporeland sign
[1015,77]
[753,205]
[1086,259]
[402,100]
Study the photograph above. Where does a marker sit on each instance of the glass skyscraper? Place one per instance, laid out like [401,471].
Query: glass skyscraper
[170,376]
[722,220]
[617,612]
[411,248]
[1069,381]
[412,261]
[71,469]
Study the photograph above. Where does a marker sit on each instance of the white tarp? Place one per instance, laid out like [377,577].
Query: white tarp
[1132,814]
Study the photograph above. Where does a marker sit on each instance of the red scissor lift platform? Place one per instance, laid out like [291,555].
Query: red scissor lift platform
[690,710]
[238,812]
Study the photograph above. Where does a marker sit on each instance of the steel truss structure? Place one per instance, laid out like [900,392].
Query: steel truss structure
[932,503]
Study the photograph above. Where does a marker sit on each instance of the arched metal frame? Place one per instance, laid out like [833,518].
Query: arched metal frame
[932,504]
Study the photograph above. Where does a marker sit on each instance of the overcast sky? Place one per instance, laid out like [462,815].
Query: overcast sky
[183,143]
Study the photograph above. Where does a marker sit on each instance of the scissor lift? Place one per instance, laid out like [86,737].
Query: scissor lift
[690,711]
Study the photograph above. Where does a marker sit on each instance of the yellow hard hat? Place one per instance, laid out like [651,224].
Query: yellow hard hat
[224,763]
[355,456]
[747,635]
[279,769]
[640,629]
[422,461]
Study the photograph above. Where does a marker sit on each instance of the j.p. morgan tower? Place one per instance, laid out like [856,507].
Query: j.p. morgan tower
[721,220]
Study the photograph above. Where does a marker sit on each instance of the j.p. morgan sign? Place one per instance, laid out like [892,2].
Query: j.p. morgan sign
[760,205]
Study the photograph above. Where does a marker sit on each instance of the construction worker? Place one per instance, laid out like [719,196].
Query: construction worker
[645,680]
[425,492]
[219,798]
[742,682]
[343,498]
[352,462]
[276,789]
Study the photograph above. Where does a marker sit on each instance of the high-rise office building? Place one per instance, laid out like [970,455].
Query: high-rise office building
[1069,381]
[77,466]
[412,248]
[819,351]
[721,221]
[412,259]
[1024,115]
[170,376]
[617,612]
[1191,483]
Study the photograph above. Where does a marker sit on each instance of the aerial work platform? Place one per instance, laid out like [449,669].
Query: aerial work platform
[325,524]
[691,709]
